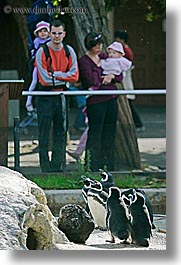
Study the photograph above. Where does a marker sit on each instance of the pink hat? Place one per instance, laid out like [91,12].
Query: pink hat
[117,46]
[42,25]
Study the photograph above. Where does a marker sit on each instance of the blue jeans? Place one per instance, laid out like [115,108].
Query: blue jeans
[81,103]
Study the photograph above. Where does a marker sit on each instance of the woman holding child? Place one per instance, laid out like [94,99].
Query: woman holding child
[101,109]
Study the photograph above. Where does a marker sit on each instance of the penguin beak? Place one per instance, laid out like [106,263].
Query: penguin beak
[97,185]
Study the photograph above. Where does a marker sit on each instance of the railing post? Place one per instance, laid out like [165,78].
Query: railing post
[64,115]
[17,143]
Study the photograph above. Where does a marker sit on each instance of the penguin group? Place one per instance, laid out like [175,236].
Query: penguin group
[126,215]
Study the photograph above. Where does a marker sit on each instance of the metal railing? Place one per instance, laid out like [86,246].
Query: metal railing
[74,93]
[96,92]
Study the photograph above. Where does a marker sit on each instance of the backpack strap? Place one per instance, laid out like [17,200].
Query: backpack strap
[48,56]
[67,51]
[46,51]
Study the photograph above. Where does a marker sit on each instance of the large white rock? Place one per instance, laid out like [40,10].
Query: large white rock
[26,222]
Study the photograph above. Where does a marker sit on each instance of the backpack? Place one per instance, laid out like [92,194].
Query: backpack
[47,52]
[31,57]
[48,56]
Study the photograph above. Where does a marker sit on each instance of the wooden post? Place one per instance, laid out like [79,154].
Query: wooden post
[9,89]
[4,96]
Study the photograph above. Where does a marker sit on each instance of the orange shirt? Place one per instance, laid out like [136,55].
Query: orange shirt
[65,68]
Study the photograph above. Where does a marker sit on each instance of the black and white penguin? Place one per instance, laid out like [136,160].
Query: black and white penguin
[141,224]
[96,200]
[87,185]
[129,196]
[148,205]
[106,180]
[131,193]
[118,219]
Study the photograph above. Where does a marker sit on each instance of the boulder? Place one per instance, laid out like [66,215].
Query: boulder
[75,222]
[26,222]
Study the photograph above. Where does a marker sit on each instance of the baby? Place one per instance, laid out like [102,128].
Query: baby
[42,36]
[115,63]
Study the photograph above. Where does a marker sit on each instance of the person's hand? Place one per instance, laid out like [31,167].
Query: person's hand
[107,79]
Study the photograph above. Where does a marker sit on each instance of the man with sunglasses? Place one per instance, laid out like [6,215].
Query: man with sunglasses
[54,71]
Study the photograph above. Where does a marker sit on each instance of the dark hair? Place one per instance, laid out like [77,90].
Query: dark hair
[92,39]
[57,23]
[121,34]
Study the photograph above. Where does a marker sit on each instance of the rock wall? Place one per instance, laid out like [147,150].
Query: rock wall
[26,222]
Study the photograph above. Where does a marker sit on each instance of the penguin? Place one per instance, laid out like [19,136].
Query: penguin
[132,192]
[106,180]
[118,219]
[141,223]
[96,199]
[148,205]
[87,184]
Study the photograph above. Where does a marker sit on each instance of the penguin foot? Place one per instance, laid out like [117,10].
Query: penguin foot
[126,242]
[112,240]
[153,226]
[102,228]
[144,243]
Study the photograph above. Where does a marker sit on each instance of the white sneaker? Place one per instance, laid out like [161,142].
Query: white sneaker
[140,129]
[30,108]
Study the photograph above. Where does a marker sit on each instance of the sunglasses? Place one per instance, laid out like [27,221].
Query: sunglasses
[97,37]
[55,33]
[96,40]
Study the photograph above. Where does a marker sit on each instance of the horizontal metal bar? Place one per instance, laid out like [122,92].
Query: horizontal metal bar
[96,92]
[12,81]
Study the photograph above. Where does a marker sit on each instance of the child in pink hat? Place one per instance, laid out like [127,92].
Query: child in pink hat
[115,63]
[42,36]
